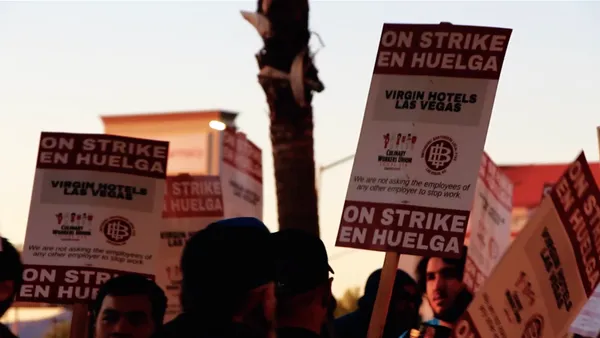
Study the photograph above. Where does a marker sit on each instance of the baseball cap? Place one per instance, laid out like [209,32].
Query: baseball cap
[11,270]
[10,261]
[241,222]
[233,255]
[301,261]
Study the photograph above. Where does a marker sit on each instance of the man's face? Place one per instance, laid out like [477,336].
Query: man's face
[125,317]
[443,285]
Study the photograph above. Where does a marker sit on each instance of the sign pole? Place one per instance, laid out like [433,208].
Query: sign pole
[79,321]
[384,295]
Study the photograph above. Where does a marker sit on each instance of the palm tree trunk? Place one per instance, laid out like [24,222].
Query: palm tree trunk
[288,78]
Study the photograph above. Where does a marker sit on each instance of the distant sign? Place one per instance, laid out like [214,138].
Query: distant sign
[241,175]
[489,222]
[549,272]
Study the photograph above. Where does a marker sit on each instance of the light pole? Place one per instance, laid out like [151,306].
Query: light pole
[326,167]
[322,169]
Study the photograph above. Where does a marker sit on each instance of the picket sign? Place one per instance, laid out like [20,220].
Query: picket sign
[544,279]
[95,209]
[587,323]
[423,131]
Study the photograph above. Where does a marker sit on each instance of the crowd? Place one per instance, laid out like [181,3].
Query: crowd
[241,280]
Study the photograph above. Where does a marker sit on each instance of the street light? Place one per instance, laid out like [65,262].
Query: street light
[322,169]
[326,167]
[217,125]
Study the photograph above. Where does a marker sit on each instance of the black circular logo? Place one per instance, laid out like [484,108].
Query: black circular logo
[117,230]
[438,154]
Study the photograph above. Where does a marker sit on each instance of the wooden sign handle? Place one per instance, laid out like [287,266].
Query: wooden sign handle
[384,294]
[79,321]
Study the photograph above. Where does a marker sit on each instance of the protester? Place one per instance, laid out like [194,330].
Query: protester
[403,312]
[11,278]
[303,284]
[441,279]
[129,306]
[328,329]
[227,285]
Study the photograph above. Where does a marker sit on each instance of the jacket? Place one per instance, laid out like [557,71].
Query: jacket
[187,326]
[5,332]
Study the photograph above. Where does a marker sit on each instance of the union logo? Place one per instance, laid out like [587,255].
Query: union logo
[117,230]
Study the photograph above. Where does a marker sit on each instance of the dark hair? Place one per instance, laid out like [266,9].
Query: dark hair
[221,264]
[133,284]
[367,301]
[421,270]
[11,270]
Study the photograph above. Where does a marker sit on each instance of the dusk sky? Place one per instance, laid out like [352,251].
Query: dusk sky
[64,64]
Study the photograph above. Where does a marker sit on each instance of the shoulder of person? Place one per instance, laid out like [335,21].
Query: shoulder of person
[351,317]
[5,332]
[433,321]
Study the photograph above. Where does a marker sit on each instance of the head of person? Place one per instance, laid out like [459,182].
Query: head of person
[129,306]
[228,273]
[441,279]
[403,312]
[303,284]
[11,274]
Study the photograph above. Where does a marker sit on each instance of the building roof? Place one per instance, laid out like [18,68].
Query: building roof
[530,179]
[160,117]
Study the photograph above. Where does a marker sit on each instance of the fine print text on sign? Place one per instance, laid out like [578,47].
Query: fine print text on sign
[95,211]
[422,135]
[551,270]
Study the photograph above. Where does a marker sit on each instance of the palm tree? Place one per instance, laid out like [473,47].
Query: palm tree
[289,78]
